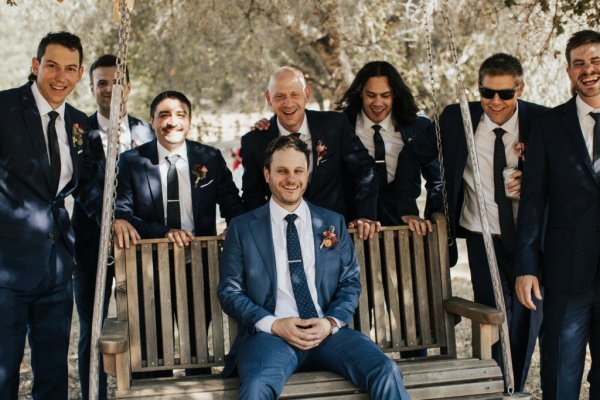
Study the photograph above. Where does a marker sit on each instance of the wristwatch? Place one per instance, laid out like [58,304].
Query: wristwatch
[334,326]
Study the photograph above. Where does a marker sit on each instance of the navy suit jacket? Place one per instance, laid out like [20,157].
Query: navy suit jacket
[559,175]
[423,149]
[248,285]
[386,199]
[346,156]
[139,193]
[87,224]
[32,217]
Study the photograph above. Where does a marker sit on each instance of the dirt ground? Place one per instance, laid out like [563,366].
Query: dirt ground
[461,286]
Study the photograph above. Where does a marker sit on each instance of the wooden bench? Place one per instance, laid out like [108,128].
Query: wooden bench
[406,304]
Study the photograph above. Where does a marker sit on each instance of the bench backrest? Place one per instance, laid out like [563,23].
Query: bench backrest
[405,279]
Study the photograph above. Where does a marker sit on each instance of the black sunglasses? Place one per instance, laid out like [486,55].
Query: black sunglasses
[504,94]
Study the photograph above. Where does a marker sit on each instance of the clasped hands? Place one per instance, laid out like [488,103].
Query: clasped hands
[303,334]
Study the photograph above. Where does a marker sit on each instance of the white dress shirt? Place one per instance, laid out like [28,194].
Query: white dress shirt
[587,124]
[304,136]
[66,163]
[185,187]
[484,148]
[125,137]
[392,140]
[285,303]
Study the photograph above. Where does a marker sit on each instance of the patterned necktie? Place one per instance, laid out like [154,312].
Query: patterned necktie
[173,211]
[306,307]
[596,145]
[54,150]
[379,155]
[505,211]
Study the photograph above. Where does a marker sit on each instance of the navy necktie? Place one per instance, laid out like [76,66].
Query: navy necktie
[505,211]
[379,155]
[295,134]
[596,142]
[173,211]
[54,150]
[306,307]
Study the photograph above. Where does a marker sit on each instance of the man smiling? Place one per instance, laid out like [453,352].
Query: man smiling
[42,142]
[500,122]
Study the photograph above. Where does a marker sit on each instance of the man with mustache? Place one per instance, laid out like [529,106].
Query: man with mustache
[560,214]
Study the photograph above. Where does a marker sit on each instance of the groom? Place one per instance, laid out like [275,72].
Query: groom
[290,278]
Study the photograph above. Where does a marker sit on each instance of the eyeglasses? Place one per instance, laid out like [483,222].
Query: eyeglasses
[504,94]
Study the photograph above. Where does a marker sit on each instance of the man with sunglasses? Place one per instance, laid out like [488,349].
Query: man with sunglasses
[500,121]
[562,181]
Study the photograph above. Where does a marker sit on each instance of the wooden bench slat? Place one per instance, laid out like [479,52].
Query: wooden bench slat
[120,283]
[407,288]
[377,291]
[363,301]
[198,301]
[421,289]
[149,306]
[181,306]
[166,306]
[216,313]
[436,289]
[132,310]
[392,288]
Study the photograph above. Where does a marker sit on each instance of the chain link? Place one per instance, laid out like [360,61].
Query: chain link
[436,120]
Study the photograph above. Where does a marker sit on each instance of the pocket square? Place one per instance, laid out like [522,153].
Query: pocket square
[206,184]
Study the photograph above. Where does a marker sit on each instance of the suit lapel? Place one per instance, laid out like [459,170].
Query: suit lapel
[263,238]
[524,127]
[153,175]
[571,121]
[35,131]
[315,134]
[319,226]
[461,142]
[72,150]
[194,159]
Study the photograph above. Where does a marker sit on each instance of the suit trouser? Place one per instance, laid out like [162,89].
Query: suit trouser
[84,287]
[523,324]
[571,321]
[44,315]
[266,362]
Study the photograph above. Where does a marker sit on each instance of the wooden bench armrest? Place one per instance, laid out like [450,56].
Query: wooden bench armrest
[114,338]
[474,311]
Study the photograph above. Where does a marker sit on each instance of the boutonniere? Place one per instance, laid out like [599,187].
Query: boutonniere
[329,238]
[520,148]
[199,172]
[77,132]
[321,150]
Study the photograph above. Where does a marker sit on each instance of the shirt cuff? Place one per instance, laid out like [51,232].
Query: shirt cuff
[264,324]
[340,323]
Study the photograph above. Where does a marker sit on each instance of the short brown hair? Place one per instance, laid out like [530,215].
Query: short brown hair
[579,39]
[500,64]
[283,143]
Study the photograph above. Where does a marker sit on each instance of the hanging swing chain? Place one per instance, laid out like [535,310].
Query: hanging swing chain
[436,121]
[120,78]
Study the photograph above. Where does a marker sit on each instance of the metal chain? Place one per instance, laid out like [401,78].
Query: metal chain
[120,77]
[436,121]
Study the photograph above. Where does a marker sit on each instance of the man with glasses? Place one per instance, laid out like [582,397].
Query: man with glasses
[501,123]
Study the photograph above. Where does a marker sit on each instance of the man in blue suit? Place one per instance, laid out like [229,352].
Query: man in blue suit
[338,158]
[501,123]
[560,213]
[290,278]
[87,228]
[42,143]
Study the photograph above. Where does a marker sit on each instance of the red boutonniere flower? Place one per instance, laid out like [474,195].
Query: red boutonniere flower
[77,132]
[329,238]
[520,148]
[321,150]
[199,172]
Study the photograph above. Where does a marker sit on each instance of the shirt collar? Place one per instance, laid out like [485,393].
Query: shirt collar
[279,213]
[163,153]
[43,105]
[583,108]
[366,125]
[303,129]
[511,126]
[103,122]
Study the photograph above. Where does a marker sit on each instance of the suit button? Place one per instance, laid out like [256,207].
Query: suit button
[51,235]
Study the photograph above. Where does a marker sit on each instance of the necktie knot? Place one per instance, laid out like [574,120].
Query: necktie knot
[595,115]
[290,218]
[376,128]
[295,134]
[53,115]
[499,132]
[172,159]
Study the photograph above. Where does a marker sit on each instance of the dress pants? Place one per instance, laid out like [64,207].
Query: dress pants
[266,362]
[44,315]
[523,324]
[571,321]
[84,287]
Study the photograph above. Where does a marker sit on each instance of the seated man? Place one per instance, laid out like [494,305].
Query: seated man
[290,278]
